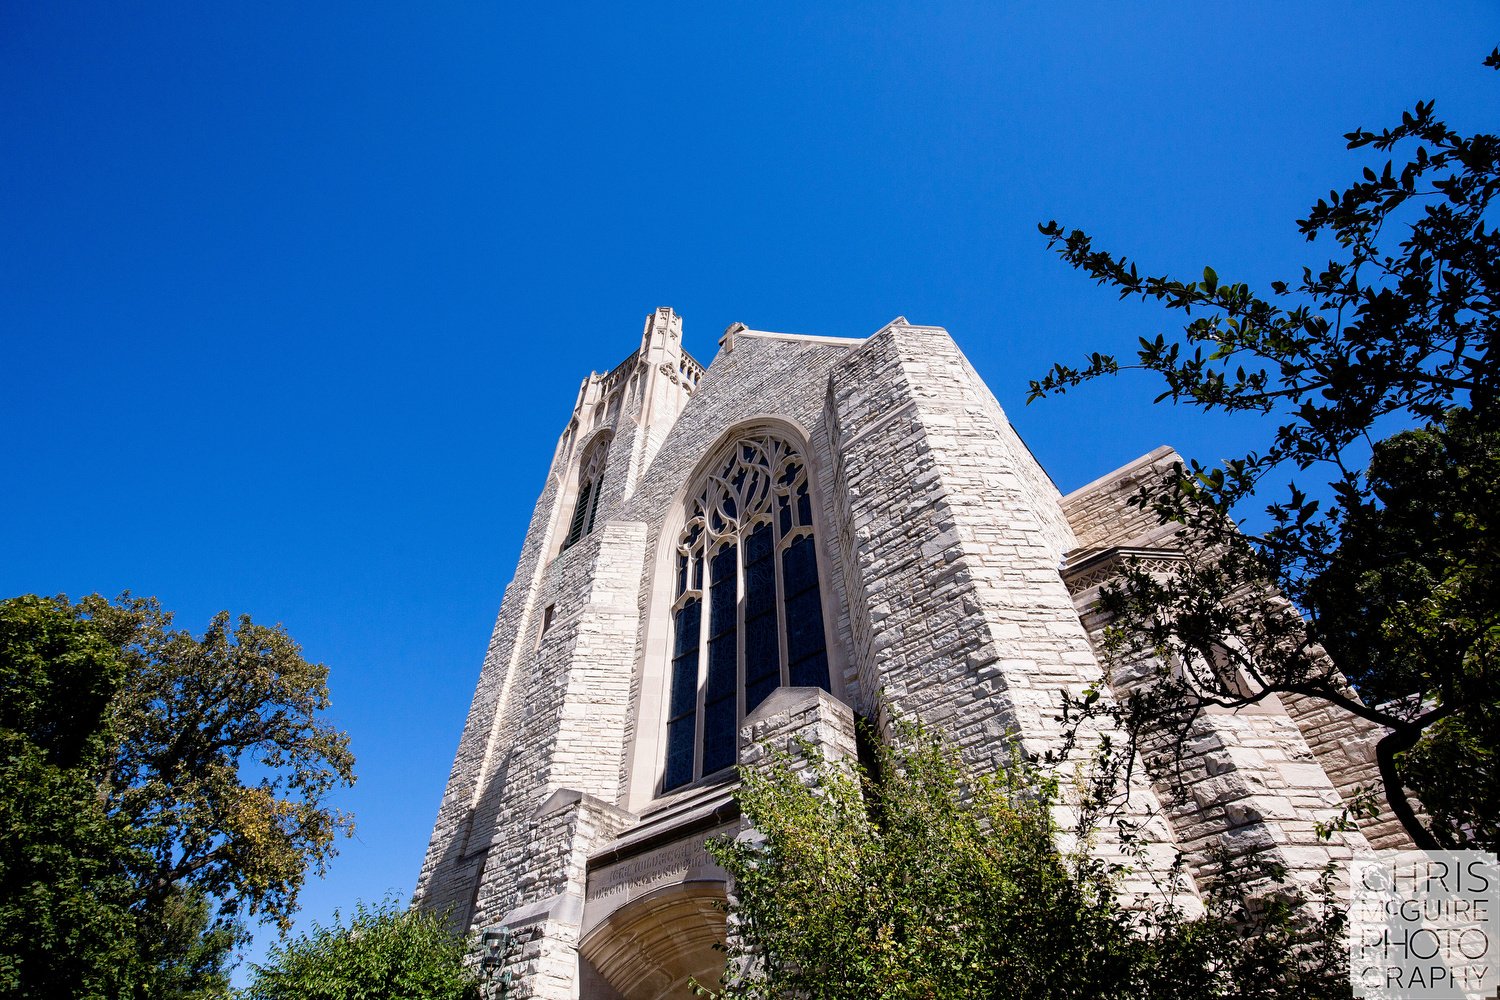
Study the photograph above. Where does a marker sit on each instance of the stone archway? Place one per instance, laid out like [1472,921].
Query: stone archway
[649,948]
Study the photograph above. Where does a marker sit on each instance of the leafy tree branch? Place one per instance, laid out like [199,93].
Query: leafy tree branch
[1373,592]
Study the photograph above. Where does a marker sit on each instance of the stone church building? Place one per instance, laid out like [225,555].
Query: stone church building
[808,530]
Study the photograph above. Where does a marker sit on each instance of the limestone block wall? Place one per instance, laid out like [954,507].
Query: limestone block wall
[596,645]
[565,829]
[792,716]
[1238,783]
[572,681]
[956,542]
[941,553]
[562,728]
[1256,779]
[662,378]
[1101,517]
[1344,746]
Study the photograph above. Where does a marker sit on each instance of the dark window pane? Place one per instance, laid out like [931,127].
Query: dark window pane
[756,634]
[804,625]
[759,689]
[807,660]
[722,596]
[720,666]
[684,685]
[720,734]
[758,544]
[719,721]
[580,514]
[593,505]
[799,566]
[686,638]
[679,754]
[762,633]
[683,710]
[811,672]
[762,650]
[760,573]
[760,583]
[685,662]
[722,649]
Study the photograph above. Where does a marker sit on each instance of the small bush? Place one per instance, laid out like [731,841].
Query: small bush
[384,951]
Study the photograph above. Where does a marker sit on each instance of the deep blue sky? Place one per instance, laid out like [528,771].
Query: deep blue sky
[295,298]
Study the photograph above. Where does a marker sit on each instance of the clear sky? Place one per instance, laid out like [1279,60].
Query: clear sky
[295,298]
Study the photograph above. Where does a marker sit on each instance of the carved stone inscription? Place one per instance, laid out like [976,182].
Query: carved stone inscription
[648,867]
[612,886]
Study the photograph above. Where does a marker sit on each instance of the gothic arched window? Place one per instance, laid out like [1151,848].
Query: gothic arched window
[590,478]
[747,615]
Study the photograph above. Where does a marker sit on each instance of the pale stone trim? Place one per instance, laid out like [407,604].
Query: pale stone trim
[804,338]
[1124,471]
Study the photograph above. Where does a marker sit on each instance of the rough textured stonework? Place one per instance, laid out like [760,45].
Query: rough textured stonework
[1257,779]
[792,717]
[957,541]
[940,545]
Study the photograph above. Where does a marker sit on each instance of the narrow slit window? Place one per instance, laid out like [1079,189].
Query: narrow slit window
[590,483]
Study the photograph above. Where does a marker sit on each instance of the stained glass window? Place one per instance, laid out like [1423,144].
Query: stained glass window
[749,541]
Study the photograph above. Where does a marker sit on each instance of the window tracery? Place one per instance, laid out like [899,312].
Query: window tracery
[590,479]
[747,612]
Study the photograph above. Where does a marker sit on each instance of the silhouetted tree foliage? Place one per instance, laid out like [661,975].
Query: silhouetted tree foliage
[156,790]
[1411,596]
[1390,567]
[224,763]
[65,894]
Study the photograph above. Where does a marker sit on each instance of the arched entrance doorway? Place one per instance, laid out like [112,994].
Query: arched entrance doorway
[650,947]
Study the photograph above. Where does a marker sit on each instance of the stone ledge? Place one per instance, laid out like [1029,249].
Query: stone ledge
[563,908]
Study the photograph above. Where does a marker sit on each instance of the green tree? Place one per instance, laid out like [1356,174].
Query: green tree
[917,878]
[1412,593]
[383,951]
[1398,328]
[181,952]
[66,927]
[224,763]
[156,789]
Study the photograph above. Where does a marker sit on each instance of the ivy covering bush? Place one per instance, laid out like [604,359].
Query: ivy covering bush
[913,877]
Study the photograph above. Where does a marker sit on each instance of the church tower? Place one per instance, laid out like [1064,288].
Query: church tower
[809,530]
